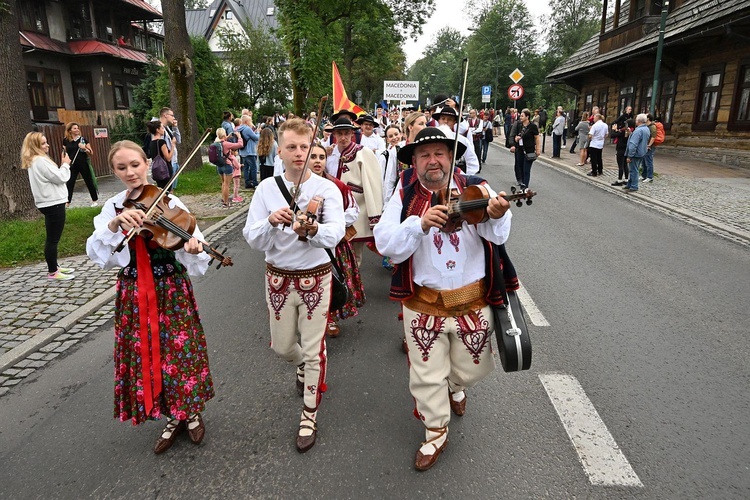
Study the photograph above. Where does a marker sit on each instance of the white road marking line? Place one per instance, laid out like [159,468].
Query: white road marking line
[602,459]
[535,315]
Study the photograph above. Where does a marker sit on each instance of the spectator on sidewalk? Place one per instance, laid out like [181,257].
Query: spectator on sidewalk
[636,150]
[50,196]
[558,130]
[529,141]
[582,138]
[597,135]
[79,150]
[225,171]
[159,147]
[648,160]
[621,134]
[518,155]
[267,151]
[248,153]
[228,123]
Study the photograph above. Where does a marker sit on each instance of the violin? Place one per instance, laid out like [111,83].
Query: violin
[168,227]
[310,215]
[471,205]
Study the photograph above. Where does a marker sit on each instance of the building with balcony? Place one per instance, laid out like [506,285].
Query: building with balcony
[703,90]
[82,58]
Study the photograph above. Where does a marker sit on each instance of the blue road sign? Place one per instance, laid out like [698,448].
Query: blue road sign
[486,90]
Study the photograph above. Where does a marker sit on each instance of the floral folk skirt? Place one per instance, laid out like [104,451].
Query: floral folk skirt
[347,262]
[186,378]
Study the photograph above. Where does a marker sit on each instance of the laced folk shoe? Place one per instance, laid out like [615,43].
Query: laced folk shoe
[173,429]
[431,449]
[308,430]
[196,428]
[458,403]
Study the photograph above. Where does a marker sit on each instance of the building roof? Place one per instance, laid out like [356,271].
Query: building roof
[97,47]
[695,17]
[80,47]
[201,22]
[143,5]
[42,42]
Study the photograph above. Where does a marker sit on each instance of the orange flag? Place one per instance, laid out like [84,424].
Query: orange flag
[340,99]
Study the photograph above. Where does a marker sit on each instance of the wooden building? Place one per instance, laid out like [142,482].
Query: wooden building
[703,93]
[82,58]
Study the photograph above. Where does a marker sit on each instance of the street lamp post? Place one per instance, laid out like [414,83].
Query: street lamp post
[497,62]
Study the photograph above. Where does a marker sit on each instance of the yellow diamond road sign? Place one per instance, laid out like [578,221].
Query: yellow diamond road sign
[516,75]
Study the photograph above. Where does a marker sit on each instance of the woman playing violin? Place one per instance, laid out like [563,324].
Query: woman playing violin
[160,355]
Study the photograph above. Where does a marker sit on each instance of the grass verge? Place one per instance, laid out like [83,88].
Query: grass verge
[24,239]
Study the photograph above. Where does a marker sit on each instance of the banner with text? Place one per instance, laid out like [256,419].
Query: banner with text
[396,90]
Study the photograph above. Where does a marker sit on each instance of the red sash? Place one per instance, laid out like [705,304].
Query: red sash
[148,316]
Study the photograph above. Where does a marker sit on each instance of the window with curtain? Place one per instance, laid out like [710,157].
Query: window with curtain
[707,103]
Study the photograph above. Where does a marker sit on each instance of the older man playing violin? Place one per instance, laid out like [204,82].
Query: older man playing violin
[298,269]
[440,279]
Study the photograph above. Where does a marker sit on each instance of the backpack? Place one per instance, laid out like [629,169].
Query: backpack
[159,169]
[216,154]
[659,133]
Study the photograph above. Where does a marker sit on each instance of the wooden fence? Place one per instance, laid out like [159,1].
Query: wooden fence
[98,118]
[100,145]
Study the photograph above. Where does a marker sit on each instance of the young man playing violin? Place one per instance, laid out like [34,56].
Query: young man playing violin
[298,269]
[440,281]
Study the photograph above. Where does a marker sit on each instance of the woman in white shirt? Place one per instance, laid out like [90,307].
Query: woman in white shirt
[50,196]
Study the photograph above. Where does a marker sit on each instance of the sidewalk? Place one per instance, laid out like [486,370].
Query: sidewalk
[707,193]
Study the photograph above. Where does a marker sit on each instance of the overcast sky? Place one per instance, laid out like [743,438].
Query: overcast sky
[446,14]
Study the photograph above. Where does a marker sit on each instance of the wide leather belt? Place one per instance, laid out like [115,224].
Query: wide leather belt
[447,303]
[301,273]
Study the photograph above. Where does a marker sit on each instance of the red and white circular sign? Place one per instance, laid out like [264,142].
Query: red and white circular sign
[515,91]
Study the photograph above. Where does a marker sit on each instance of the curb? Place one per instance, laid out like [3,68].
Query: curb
[64,325]
[743,235]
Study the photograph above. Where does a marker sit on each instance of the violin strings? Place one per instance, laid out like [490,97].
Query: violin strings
[184,235]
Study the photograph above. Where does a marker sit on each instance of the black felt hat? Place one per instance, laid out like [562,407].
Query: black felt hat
[429,135]
[444,110]
[367,119]
[343,123]
[344,112]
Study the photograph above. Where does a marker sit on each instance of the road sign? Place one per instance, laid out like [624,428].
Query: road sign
[515,92]
[516,75]
[486,93]
[358,93]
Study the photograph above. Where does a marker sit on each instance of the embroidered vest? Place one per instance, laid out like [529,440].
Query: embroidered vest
[499,273]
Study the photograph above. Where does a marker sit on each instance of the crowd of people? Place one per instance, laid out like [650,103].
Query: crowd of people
[343,186]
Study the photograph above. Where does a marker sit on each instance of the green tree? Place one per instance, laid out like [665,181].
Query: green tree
[182,72]
[196,4]
[257,71]
[316,32]
[507,24]
[439,70]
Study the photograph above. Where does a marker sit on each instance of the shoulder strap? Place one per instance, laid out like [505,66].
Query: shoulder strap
[288,197]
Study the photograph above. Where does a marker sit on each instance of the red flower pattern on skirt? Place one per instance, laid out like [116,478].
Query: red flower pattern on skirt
[186,378]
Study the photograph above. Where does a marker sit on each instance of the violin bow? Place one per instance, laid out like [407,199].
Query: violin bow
[465,63]
[163,192]
[321,104]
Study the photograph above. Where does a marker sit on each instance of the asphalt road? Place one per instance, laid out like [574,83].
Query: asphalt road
[647,313]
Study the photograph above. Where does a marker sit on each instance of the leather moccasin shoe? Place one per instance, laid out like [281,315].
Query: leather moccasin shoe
[423,462]
[197,433]
[304,443]
[163,444]
[457,407]
[332,329]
